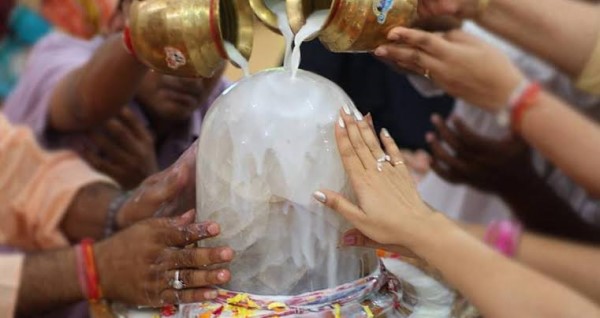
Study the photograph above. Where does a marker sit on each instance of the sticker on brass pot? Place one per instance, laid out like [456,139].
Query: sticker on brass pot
[381,9]
[175,58]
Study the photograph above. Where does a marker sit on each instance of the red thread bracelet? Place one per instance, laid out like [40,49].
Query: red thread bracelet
[527,100]
[127,41]
[89,279]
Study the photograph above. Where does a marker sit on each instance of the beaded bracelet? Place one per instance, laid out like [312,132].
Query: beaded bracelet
[89,280]
[504,236]
[114,207]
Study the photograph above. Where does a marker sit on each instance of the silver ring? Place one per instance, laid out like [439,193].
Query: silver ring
[177,283]
[380,161]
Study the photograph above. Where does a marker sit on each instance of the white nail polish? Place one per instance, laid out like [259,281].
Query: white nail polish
[347,110]
[386,132]
[341,122]
[320,196]
[358,115]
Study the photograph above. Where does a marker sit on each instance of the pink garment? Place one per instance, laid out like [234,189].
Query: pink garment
[50,61]
[36,189]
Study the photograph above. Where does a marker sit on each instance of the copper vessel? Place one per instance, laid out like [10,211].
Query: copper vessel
[186,37]
[354,25]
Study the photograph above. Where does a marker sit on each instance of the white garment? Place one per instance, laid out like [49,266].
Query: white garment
[468,204]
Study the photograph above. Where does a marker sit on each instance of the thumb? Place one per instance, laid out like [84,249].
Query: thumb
[341,205]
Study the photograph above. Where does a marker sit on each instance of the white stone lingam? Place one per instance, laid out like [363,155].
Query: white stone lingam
[266,145]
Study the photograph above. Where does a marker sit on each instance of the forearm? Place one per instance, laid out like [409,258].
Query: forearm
[566,138]
[494,284]
[98,90]
[48,281]
[87,214]
[563,32]
[540,209]
[570,263]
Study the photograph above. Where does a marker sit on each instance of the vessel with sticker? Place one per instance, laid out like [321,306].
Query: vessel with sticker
[351,25]
[188,37]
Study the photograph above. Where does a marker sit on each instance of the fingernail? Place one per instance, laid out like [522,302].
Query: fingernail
[347,110]
[358,115]
[380,51]
[435,118]
[429,137]
[341,122]
[212,229]
[349,240]
[226,254]
[210,294]
[386,132]
[221,276]
[320,196]
[394,37]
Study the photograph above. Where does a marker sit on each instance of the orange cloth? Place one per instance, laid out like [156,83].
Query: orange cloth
[36,189]
[81,18]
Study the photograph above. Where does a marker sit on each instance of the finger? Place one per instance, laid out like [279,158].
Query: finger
[468,137]
[198,278]
[369,119]
[431,43]
[445,173]
[162,187]
[102,165]
[123,136]
[369,161]
[180,236]
[110,148]
[350,160]
[354,237]
[411,58]
[446,134]
[442,155]
[130,120]
[371,140]
[341,205]
[187,296]
[199,257]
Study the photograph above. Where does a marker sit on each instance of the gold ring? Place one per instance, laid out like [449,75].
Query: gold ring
[397,163]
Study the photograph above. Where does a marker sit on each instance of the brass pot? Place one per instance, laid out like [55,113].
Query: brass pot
[354,25]
[186,37]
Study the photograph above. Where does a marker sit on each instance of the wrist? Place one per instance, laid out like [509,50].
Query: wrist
[424,236]
[116,216]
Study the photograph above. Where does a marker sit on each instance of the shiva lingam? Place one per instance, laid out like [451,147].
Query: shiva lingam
[189,37]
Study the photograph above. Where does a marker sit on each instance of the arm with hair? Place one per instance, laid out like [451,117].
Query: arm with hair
[98,90]
[571,263]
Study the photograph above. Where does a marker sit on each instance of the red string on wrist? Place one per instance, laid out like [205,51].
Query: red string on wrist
[87,273]
[127,41]
[527,100]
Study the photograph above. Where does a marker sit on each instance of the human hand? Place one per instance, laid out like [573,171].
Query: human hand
[126,150]
[418,161]
[137,265]
[461,64]
[389,209]
[462,156]
[166,193]
[457,8]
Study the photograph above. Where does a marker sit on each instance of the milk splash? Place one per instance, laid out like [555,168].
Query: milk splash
[237,58]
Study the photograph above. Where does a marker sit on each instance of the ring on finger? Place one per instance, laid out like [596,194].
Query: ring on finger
[427,74]
[397,163]
[177,283]
[381,160]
